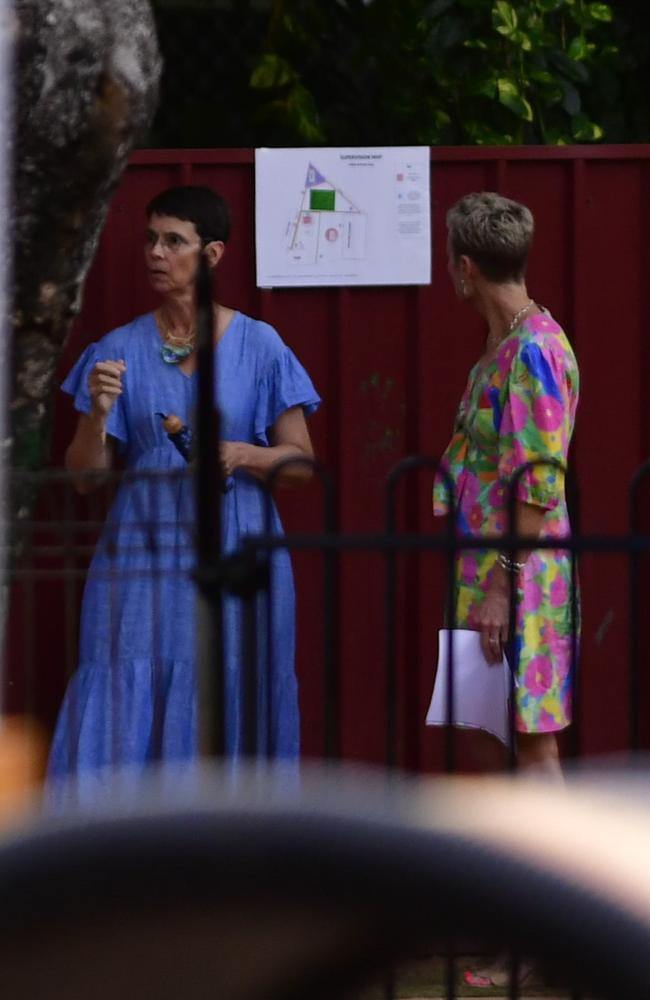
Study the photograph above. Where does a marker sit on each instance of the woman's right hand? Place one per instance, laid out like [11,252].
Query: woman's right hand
[494,616]
[105,385]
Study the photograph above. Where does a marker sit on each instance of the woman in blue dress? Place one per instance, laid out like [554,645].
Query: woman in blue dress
[133,698]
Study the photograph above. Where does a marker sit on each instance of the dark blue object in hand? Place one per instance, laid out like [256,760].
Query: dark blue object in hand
[179,434]
[183,440]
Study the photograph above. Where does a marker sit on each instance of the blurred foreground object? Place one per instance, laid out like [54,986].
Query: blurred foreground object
[23,752]
[250,885]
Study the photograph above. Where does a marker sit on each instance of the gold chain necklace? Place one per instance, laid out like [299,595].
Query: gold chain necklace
[175,347]
[516,318]
[492,343]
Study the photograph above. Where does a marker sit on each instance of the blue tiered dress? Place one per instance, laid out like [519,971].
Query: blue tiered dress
[133,698]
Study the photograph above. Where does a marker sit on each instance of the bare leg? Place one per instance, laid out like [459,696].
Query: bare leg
[538,755]
[485,750]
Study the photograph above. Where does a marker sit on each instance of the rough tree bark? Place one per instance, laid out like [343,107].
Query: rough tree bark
[87,84]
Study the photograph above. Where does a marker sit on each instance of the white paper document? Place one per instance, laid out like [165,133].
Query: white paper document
[344,216]
[481,690]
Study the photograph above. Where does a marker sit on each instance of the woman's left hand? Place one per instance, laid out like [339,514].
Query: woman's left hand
[494,618]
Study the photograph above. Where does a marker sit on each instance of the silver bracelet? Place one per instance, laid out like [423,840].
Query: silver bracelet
[509,565]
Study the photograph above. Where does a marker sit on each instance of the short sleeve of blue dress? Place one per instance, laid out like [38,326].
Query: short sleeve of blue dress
[76,385]
[283,383]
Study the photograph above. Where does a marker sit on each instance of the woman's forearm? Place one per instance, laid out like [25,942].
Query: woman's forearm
[89,451]
[528,523]
[529,520]
[258,461]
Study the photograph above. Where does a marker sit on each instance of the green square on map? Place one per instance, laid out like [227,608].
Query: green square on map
[322,201]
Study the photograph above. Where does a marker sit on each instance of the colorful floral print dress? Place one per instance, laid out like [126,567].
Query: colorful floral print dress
[520,408]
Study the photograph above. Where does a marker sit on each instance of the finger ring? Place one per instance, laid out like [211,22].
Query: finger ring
[494,641]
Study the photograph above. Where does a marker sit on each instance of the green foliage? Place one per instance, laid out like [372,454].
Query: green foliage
[447,71]
[619,80]
[292,104]
[297,72]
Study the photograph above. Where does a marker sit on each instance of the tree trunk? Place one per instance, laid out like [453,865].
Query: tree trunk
[87,75]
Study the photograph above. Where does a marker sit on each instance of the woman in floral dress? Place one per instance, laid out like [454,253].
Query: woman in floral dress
[518,407]
[517,410]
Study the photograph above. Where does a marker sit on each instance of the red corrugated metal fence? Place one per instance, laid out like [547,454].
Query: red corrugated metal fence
[390,364]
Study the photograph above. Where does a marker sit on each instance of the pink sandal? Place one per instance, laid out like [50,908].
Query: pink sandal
[498,975]
[478,980]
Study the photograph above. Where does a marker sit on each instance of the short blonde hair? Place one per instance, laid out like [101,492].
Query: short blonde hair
[494,232]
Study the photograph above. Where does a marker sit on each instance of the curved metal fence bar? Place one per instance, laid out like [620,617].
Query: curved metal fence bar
[323,475]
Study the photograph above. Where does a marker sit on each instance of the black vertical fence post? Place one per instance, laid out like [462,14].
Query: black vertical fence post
[515,958]
[450,548]
[208,526]
[511,550]
[390,639]
[635,618]
[331,637]
[575,659]
[452,554]
[573,504]
[513,543]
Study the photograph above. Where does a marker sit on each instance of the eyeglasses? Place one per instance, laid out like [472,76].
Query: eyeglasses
[172,243]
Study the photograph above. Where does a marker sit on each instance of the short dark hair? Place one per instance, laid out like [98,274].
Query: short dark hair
[494,232]
[201,205]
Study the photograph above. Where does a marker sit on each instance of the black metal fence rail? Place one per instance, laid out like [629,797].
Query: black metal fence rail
[52,549]
[56,546]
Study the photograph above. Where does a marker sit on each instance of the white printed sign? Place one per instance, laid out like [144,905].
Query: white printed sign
[343,216]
